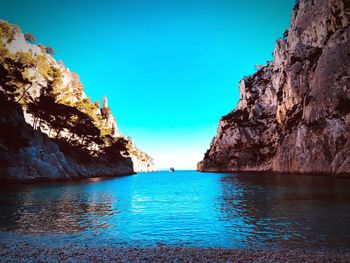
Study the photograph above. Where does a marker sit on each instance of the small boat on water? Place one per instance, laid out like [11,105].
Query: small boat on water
[172,169]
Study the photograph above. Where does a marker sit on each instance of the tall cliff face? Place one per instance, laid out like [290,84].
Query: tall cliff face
[294,113]
[50,128]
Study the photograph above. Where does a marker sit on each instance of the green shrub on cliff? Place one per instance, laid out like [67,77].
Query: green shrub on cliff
[24,59]
[3,52]
[49,50]
[29,37]
[7,31]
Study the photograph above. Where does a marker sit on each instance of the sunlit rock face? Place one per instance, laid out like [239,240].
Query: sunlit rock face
[294,113]
[50,128]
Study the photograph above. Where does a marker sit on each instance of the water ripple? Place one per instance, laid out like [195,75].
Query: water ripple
[182,208]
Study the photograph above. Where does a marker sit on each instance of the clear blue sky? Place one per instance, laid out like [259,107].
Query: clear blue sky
[170,69]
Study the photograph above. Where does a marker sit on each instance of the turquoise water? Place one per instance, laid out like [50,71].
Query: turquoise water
[184,208]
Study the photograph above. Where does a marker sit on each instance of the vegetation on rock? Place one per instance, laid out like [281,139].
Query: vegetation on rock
[53,101]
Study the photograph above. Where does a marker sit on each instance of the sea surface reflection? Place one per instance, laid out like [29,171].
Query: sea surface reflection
[182,209]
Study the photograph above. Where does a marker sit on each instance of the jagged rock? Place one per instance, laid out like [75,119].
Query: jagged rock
[293,115]
[72,139]
[109,120]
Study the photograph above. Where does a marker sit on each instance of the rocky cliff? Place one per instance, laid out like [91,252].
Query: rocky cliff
[49,127]
[293,115]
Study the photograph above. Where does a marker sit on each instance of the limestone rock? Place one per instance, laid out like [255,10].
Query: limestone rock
[293,115]
[50,128]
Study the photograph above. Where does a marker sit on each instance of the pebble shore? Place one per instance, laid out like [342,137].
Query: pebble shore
[71,253]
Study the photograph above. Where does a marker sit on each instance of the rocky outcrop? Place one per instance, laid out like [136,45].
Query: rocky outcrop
[50,130]
[30,155]
[109,120]
[293,115]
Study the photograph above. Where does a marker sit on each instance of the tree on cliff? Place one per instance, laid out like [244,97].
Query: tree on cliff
[60,117]
[117,147]
[13,72]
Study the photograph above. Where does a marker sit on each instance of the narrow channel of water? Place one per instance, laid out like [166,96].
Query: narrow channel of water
[183,208]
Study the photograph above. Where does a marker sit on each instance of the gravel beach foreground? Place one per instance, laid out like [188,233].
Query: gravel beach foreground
[34,253]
